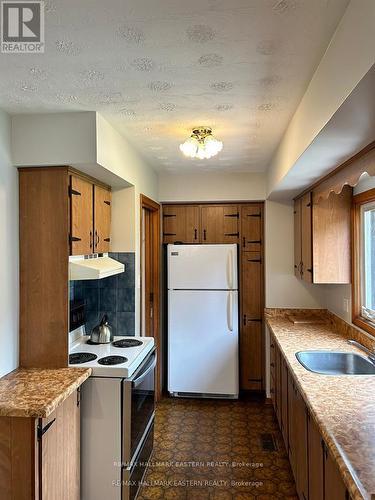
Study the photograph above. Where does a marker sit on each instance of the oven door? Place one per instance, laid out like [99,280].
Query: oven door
[138,407]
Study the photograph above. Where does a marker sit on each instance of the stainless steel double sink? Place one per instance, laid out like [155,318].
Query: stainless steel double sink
[335,363]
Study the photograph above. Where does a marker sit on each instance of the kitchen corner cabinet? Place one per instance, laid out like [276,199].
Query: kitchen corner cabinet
[40,457]
[181,224]
[322,237]
[90,209]
[315,472]
[59,211]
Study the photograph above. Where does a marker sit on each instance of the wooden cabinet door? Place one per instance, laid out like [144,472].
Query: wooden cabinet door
[181,224]
[220,224]
[252,285]
[284,400]
[250,355]
[298,441]
[331,238]
[102,219]
[306,231]
[316,464]
[278,384]
[81,212]
[59,476]
[334,487]
[297,238]
[251,227]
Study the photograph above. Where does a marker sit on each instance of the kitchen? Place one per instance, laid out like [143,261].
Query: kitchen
[183,245]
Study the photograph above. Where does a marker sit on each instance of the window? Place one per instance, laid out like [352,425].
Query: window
[364,261]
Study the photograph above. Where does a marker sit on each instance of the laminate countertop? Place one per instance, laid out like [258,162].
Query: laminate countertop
[34,392]
[343,406]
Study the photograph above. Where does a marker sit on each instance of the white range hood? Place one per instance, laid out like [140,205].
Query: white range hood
[93,267]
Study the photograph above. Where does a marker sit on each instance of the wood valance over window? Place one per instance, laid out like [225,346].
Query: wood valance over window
[347,174]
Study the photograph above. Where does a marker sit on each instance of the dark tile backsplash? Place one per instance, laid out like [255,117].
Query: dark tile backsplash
[114,296]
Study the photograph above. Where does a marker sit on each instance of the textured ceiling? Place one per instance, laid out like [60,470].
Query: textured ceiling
[157,68]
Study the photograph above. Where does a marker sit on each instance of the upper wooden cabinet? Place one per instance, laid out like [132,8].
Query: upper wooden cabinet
[322,237]
[181,224]
[102,219]
[220,224]
[90,214]
[82,216]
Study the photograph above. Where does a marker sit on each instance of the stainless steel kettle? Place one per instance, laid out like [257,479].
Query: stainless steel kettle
[102,333]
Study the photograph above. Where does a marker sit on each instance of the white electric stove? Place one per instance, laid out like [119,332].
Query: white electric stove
[120,358]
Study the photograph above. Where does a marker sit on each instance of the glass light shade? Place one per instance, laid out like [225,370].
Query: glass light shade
[201,145]
[190,147]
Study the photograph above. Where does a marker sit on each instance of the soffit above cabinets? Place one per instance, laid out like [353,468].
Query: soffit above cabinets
[156,72]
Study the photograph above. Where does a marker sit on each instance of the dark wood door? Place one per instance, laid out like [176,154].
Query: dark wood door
[219,224]
[284,400]
[102,219]
[306,230]
[81,210]
[297,238]
[252,285]
[181,224]
[301,446]
[334,487]
[251,227]
[250,355]
[316,464]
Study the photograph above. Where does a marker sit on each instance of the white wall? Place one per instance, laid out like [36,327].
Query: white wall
[212,187]
[283,289]
[8,252]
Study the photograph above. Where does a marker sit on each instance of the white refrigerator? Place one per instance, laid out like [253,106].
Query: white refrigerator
[203,321]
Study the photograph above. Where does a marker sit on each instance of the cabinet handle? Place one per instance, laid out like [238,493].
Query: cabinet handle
[254,215]
[43,430]
[272,364]
[96,239]
[91,240]
[272,346]
[244,319]
[74,238]
[254,260]
[237,215]
[244,242]
[78,396]
[107,240]
[232,234]
[204,234]
[107,203]
[195,234]
[169,234]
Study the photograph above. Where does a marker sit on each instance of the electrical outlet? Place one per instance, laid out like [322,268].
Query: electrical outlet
[346,305]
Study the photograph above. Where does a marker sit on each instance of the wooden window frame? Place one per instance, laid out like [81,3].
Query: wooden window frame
[358,201]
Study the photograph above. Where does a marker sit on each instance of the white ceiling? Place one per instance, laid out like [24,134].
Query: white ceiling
[156,68]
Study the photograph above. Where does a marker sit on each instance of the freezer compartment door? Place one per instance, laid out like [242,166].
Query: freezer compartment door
[203,342]
[202,267]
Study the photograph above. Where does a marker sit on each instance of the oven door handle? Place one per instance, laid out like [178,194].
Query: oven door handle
[150,366]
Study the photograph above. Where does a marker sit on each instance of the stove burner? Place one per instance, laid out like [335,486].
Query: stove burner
[112,360]
[78,358]
[127,343]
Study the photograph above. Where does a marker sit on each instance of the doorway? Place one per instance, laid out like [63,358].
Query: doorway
[150,278]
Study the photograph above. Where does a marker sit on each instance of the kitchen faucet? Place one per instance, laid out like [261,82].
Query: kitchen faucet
[370,354]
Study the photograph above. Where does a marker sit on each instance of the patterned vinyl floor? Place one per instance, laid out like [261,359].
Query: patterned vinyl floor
[217,450]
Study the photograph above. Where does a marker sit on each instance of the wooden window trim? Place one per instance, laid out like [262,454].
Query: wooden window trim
[359,200]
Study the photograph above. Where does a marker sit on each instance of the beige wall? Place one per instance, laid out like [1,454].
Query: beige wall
[8,252]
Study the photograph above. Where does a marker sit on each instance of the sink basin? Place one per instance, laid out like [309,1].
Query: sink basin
[335,363]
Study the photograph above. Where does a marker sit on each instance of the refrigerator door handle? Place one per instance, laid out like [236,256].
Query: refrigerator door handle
[230,311]
[230,269]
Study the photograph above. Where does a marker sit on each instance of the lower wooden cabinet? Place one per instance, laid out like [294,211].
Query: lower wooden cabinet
[40,457]
[315,472]
[251,346]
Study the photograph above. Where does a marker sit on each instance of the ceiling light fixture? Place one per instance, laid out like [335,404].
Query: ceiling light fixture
[201,144]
